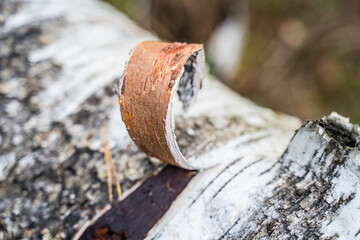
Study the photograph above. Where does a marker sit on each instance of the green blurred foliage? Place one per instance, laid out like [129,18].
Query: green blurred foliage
[302,56]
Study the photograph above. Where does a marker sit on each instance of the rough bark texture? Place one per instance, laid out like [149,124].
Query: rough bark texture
[311,192]
[59,61]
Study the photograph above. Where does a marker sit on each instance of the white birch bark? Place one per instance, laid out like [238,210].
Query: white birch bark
[59,62]
[310,192]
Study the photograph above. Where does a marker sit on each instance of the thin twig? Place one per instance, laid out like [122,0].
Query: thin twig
[117,181]
[110,166]
[107,162]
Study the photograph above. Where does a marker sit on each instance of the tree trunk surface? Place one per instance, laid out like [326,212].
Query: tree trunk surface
[310,192]
[59,61]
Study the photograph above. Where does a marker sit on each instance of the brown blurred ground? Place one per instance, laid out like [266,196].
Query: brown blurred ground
[302,57]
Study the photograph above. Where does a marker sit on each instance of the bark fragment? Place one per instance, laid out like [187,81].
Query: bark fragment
[154,73]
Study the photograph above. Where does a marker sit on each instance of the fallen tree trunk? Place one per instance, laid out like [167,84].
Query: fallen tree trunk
[310,192]
[59,62]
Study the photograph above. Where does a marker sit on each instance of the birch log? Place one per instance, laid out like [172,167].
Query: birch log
[59,62]
[310,192]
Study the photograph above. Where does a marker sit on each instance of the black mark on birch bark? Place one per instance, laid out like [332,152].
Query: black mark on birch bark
[214,179]
[235,175]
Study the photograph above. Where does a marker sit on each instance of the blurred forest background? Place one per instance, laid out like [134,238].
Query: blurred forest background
[301,57]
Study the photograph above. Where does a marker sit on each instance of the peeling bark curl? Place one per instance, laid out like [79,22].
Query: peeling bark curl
[154,74]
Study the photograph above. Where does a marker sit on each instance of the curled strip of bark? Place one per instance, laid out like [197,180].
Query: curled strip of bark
[157,75]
